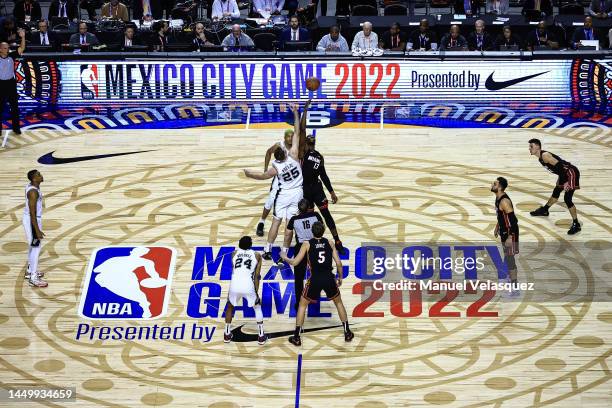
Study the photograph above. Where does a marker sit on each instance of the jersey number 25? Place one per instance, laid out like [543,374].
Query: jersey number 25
[288,176]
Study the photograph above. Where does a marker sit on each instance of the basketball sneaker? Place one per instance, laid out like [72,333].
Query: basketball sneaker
[348,335]
[575,228]
[28,274]
[227,337]
[540,212]
[295,340]
[261,340]
[260,229]
[267,256]
[36,281]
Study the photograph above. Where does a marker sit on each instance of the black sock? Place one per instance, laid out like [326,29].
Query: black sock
[345,326]
[513,281]
[298,330]
[546,206]
[575,220]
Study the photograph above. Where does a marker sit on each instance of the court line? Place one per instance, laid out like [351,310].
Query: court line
[298,382]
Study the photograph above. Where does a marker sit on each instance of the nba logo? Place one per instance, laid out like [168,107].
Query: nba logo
[128,282]
[89,81]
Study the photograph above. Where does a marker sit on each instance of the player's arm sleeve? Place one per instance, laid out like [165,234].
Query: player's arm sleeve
[324,177]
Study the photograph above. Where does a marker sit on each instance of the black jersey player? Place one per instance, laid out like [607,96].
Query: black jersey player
[568,180]
[313,170]
[319,254]
[301,224]
[507,225]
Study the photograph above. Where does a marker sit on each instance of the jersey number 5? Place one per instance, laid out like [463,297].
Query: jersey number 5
[321,257]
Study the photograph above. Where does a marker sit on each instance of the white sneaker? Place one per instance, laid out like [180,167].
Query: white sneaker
[28,274]
[38,282]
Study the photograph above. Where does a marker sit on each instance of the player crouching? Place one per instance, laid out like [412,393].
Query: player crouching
[245,284]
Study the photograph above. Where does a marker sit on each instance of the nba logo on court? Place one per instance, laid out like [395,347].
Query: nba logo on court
[128,282]
[89,81]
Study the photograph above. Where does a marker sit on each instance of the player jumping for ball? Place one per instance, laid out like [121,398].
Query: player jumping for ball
[284,144]
[569,180]
[244,284]
[507,225]
[288,172]
[319,254]
[313,168]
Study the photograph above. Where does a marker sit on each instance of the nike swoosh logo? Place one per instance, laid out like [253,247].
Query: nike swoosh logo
[50,159]
[241,337]
[493,85]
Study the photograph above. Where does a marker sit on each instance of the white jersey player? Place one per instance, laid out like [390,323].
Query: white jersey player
[32,225]
[284,144]
[246,265]
[288,173]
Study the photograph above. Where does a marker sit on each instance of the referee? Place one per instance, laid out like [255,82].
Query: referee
[302,225]
[8,84]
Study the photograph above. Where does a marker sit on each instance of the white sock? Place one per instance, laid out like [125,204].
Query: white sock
[268,247]
[33,258]
[228,328]
[261,221]
[259,317]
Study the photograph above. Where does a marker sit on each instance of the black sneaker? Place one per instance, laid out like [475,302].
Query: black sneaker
[261,340]
[295,340]
[540,212]
[575,228]
[260,231]
[267,256]
[17,131]
[348,335]
[227,337]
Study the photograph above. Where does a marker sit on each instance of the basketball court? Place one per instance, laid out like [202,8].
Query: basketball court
[185,189]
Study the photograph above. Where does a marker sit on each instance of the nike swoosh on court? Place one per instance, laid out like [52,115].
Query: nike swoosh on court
[493,85]
[241,337]
[50,159]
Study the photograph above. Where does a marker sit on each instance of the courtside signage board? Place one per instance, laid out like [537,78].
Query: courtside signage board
[150,80]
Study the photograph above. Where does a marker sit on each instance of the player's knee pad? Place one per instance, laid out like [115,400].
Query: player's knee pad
[567,198]
[329,220]
[557,192]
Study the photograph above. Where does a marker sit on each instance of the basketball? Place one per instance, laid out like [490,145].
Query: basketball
[313,84]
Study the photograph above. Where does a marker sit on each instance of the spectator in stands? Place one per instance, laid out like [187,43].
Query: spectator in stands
[545,7]
[159,38]
[293,33]
[129,39]
[27,10]
[265,8]
[584,33]
[499,7]
[480,40]
[600,8]
[200,42]
[83,37]
[395,39]
[541,37]
[453,41]
[115,11]
[365,39]
[468,7]
[9,32]
[333,42]
[237,39]
[43,36]
[90,6]
[506,39]
[422,39]
[62,8]
[225,9]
